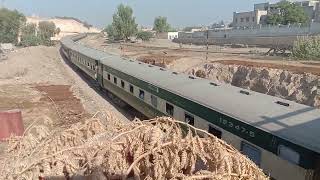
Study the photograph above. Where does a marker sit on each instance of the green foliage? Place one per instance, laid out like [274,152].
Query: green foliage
[30,40]
[307,48]
[123,25]
[290,13]
[144,35]
[161,25]
[58,30]
[10,25]
[46,30]
[111,31]
[29,35]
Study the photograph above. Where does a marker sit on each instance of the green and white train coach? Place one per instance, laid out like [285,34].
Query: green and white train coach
[280,136]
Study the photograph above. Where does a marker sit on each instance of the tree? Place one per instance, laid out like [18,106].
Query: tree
[29,35]
[144,35]
[58,31]
[46,31]
[123,25]
[289,13]
[10,24]
[161,25]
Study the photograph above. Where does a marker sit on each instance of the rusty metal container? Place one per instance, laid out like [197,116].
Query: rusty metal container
[10,123]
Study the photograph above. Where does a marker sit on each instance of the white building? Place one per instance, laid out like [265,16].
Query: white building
[248,19]
[168,35]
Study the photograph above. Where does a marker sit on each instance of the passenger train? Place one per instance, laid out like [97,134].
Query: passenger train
[280,136]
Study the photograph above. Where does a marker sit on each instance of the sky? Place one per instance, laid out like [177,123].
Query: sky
[180,13]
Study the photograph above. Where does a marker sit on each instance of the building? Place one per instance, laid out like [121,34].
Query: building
[248,19]
[310,8]
[259,14]
[167,35]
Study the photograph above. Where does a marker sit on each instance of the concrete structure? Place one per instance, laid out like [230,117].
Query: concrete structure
[167,35]
[266,36]
[11,124]
[248,19]
[309,7]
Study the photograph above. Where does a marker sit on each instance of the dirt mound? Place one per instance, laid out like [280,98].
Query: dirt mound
[273,80]
[155,149]
[287,67]
[158,60]
[67,26]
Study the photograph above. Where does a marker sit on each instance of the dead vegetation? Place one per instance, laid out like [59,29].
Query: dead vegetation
[154,149]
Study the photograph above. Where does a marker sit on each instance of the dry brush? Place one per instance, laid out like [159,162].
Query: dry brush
[161,148]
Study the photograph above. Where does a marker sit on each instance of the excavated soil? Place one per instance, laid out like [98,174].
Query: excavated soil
[68,107]
[286,82]
[158,60]
[287,67]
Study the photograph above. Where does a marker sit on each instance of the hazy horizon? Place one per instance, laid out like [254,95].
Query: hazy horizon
[180,13]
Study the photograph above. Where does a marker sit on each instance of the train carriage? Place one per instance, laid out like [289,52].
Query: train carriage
[280,136]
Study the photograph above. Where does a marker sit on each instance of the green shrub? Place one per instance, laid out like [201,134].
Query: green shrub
[10,24]
[144,35]
[29,36]
[307,48]
[30,40]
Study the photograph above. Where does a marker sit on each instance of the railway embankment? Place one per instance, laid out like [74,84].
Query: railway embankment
[282,81]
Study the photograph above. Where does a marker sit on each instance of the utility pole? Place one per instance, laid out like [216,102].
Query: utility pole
[207,53]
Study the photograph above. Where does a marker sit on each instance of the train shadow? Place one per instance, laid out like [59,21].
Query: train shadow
[125,109]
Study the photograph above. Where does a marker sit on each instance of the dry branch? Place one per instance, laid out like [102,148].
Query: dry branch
[155,149]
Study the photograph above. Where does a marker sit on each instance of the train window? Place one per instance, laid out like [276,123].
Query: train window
[141,94]
[288,154]
[283,103]
[109,77]
[251,152]
[215,132]
[213,84]
[115,80]
[131,89]
[189,119]
[122,84]
[169,109]
[154,101]
[244,92]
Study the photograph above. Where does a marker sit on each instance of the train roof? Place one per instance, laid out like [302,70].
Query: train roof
[297,123]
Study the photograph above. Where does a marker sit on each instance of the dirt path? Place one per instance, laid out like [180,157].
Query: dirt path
[39,82]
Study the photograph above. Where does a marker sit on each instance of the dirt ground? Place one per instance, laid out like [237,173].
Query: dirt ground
[182,59]
[37,81]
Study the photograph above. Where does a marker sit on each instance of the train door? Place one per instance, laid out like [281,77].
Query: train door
[99,72]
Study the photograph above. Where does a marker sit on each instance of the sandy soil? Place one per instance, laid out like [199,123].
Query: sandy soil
[66,26]
[39,82]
